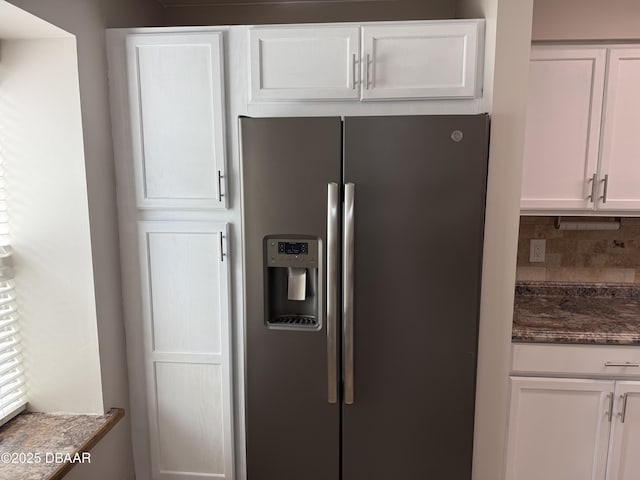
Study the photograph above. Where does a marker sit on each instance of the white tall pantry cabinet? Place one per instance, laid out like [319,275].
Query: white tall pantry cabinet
[176,195]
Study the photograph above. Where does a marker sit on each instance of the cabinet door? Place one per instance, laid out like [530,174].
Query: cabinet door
[187,348]
[620,160]
[624,461]
[304,63]
[563,128]
[558,429]
[177,117]
[422,60]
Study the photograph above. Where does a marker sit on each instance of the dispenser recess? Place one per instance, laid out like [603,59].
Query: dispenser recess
[292,282]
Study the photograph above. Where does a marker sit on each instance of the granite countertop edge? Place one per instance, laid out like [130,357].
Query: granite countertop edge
[576,313]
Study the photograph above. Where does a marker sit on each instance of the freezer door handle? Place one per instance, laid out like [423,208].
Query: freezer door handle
[347,293]
[332,291]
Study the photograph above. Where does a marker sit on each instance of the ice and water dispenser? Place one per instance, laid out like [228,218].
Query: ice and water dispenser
[292,283]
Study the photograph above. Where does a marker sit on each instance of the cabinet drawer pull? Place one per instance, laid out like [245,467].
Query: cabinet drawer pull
[621,364]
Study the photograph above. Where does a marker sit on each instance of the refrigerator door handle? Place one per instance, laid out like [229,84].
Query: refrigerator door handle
[332,291]
[347,293]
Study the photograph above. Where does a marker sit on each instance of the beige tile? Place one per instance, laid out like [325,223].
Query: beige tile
[619,275]
[553,259]
[530,273]
[564,274]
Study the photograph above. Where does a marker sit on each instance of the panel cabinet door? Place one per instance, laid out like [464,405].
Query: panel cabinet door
[185,293]
[624,461]
[422,60]
[563,128]
[558,429]
[177,118]
[303,63]
[620,159]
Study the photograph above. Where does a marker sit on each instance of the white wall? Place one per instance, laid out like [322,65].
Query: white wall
[49,223]
[586,19]
[506,74]
[87,19]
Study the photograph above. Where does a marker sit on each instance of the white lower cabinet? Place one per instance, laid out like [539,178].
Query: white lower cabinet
[573,429]
[624,447]
[185,293]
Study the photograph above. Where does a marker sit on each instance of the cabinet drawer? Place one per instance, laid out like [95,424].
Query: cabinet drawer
[575,360]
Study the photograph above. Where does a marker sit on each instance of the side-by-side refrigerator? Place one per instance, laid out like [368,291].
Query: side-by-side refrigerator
[363,252]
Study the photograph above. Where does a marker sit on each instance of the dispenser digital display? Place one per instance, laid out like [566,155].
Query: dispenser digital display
[293,248]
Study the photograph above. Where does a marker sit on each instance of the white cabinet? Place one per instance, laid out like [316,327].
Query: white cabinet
[393,61]
[582,146]
[305,63]
[563,127]
[177,118]
[624,461]
[620,163]
[186,322]
[432,60]
[574,428]
[558,429]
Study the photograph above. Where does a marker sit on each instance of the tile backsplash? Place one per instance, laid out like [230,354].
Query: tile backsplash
[578,255]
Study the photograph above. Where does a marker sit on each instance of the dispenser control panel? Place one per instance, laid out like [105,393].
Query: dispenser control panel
[292,252]
[293,248]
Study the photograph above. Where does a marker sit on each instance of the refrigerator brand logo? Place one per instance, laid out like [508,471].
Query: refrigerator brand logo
[457,136]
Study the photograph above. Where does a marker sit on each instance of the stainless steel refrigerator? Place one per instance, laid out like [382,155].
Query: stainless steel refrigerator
[363,252]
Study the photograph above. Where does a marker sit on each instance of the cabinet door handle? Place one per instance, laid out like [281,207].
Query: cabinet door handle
[220,194]
[368,62]
[592,197]
[353,72]
[222,254]
[604,191]
[610,412]
[621,364]
[624,407]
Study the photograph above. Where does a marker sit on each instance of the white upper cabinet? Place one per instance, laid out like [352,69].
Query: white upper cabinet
[429,60]
[582,144]
[393,61]
[305,63]
[620,161]
[563,128]
[177,115]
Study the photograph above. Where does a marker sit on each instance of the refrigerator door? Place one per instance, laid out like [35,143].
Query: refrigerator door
[418,214]
[293,430]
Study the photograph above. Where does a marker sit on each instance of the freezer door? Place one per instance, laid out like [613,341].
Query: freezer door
[293,430]
[419,198]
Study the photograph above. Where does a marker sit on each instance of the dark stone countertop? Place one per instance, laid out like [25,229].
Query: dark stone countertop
[549,312]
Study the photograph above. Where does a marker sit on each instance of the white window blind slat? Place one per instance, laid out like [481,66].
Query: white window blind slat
[13,364]
[8,321]
[9,345]
[12,395]
[13,377]
[12,382]
[7,334]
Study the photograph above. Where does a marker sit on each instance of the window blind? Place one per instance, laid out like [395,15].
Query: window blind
[12,383]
